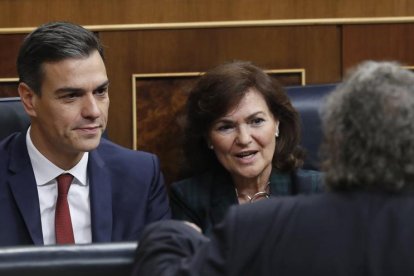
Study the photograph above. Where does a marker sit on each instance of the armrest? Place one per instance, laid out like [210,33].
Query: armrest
[60,260]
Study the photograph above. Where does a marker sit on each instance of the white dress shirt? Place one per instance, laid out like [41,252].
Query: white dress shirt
[78,197]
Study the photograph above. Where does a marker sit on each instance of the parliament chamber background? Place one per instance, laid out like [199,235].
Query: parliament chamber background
[155,50]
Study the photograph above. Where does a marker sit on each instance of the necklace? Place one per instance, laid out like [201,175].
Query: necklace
[256,196]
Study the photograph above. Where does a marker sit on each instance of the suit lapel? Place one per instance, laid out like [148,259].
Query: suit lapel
[24,189]
[223,196]
[101,198]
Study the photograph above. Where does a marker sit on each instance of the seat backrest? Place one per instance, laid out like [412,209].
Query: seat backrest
[308,101]
[110,259]
[13,117]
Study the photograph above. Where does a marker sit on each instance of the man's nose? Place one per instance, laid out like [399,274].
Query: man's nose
[90,107]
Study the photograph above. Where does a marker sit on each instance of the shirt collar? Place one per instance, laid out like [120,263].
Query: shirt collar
[45,171]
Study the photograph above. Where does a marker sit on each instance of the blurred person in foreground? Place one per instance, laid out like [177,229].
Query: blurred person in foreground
[60,182]
[362,226]
[242,145]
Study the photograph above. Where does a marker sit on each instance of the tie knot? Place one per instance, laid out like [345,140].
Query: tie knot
[64,181]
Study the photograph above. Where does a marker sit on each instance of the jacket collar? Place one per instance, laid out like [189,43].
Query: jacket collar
[223,195]
[23,187]
[100,197]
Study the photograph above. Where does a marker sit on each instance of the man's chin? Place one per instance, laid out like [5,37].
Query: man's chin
[88,145]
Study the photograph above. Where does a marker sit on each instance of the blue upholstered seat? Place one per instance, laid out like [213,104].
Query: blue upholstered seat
[308,100]
[12,116]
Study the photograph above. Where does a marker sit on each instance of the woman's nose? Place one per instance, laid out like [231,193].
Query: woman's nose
[243,136]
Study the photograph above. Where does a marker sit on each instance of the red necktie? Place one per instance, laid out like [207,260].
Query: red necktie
[63,223]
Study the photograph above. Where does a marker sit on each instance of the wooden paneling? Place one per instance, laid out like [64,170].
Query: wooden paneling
[324,51]
[29,13]
[8,89]
[159,114]
[9,47]
[378,42]
[316,48]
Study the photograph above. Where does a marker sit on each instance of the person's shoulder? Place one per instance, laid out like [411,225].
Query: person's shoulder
[9,142]
[285,202]
[309,181]
[308,173]
[195,183]
[12,147]
[258,213]
[283,207]
[192,199]
[112,150]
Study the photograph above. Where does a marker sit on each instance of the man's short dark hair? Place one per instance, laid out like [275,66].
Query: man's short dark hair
[53,41]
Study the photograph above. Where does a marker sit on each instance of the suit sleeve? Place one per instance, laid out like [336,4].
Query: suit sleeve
[158,206]
[174,248]
[245,243]
[166,248]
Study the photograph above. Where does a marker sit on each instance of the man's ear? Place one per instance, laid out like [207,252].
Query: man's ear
[27,96]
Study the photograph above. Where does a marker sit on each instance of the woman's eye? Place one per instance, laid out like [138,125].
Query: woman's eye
[225,128]
[257,121]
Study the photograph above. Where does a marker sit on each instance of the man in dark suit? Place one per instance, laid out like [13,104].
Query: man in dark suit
[59,181]
[363,226]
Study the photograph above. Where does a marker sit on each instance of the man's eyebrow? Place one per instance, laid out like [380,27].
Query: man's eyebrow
[63,90]
[80,90]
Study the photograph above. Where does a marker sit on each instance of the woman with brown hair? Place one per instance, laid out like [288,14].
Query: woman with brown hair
[241,145]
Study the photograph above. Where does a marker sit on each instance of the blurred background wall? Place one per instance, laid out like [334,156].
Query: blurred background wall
[156,49]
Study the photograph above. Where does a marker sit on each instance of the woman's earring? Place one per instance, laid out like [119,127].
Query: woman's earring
[211,146]
[277,129]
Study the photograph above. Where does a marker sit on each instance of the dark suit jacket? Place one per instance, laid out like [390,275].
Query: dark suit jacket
[329,234]
[126,192]
[205,199]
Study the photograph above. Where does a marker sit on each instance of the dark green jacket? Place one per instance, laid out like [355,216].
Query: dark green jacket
[205,199]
